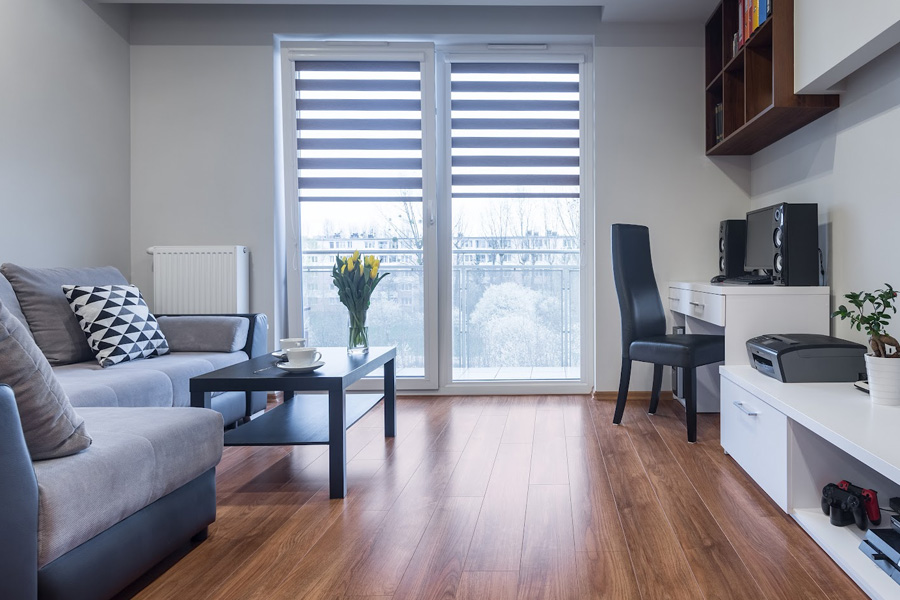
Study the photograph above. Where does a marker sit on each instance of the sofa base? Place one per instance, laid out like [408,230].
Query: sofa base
[107,563]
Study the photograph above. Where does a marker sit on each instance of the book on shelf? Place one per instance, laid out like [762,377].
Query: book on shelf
[768,8]
[754,14]
[746,18]
[720,123]
[764,8]
[740,31]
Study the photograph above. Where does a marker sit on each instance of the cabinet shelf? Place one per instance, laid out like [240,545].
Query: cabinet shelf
[755,85]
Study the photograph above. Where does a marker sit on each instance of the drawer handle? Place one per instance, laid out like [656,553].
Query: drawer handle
[697,305]
[744,409]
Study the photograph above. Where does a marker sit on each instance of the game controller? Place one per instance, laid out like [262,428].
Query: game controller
[869,499]
[843,507]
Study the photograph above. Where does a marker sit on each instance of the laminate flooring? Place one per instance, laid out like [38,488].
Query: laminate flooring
[501,498]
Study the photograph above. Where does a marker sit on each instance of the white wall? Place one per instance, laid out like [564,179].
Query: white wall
[833,38]
[64,135]
[203,156]
[651,170]
[849,163]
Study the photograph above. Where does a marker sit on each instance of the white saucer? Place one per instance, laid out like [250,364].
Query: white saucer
[306,369]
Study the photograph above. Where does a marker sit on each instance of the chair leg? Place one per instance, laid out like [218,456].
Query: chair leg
[657,384]
[624,378]
[690,403]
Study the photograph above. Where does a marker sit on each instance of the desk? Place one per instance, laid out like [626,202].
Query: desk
[794,438]
[741,312]
[307,419]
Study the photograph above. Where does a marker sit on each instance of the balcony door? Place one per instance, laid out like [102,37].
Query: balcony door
[365,182]
[466,178]
[515,194]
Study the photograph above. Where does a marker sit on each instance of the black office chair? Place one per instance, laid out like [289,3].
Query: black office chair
[644,325]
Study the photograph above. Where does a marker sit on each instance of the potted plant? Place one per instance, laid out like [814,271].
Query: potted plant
[871,312]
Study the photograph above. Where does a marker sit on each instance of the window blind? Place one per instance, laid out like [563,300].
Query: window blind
[359,130]
[515,130]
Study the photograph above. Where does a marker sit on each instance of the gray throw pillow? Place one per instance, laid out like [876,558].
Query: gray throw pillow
[53,324]
[205,333]
[52,427]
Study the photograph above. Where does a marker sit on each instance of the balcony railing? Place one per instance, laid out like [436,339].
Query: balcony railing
[515,310]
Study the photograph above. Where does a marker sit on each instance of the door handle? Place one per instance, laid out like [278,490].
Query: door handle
[697,305]
[744,409]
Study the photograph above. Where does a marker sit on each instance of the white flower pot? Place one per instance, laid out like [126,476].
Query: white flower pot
[884,379]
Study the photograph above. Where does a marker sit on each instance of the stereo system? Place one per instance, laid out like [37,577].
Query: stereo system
[732,245]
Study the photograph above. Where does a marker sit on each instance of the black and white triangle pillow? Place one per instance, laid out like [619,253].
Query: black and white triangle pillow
[116,321]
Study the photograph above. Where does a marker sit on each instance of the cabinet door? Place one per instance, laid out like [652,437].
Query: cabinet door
[755,435]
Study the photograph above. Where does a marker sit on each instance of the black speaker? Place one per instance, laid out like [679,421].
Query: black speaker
[797,249]
[732,245]
[784,240]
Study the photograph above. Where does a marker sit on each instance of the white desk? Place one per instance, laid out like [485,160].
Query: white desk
[804,436]
[741,312]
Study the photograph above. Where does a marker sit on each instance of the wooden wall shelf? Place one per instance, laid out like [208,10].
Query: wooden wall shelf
[755,86]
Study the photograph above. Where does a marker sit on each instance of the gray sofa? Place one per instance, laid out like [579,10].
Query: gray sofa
[199,345]
[84,525]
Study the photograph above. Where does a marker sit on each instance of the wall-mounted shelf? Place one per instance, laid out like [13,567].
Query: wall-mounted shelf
[755,86]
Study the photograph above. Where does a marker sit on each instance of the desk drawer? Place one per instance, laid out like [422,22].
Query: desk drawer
[755,435]
[700,305]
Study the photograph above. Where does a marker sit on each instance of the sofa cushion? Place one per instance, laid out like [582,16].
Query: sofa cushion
[89,384]
[51,426]
[139,455]
[52,323]
[205,333]
[162,381]
[117,322]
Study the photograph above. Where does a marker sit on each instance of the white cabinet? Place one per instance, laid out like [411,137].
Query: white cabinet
[804,436]
[741,312]
[756,436]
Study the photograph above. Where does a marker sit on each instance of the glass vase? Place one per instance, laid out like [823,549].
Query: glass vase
[358,338]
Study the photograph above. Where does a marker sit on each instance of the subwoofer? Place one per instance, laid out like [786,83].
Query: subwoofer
[732,245]
[783,239]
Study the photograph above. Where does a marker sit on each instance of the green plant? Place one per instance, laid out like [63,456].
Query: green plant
[875,321]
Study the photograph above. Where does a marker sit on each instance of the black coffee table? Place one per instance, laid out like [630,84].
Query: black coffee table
[308,418]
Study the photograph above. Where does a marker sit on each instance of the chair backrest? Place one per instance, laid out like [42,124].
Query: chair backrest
[639,302]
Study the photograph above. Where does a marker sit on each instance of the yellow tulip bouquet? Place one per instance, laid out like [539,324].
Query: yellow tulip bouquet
[356,277]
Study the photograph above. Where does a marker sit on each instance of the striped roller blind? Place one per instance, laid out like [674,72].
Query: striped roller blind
[359,130]
[515,130]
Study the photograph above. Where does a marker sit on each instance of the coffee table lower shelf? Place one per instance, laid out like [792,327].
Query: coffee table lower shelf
[301,420]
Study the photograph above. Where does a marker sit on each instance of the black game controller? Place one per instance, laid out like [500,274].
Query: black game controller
[843,507]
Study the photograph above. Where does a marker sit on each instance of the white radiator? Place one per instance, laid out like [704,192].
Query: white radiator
[200,279]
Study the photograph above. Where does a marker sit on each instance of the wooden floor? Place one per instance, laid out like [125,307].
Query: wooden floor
[503,498]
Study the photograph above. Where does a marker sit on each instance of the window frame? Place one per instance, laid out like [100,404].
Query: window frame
[436,203]
[532,53]
[350,51]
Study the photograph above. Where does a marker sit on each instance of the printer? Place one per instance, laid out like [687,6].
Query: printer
[807,357]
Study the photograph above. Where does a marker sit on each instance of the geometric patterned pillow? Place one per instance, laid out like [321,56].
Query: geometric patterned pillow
[117,322]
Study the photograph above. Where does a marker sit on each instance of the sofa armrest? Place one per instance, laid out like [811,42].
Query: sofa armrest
[257,340]
[18,506]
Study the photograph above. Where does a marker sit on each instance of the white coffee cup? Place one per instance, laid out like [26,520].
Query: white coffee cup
[302,357]
[292,343]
